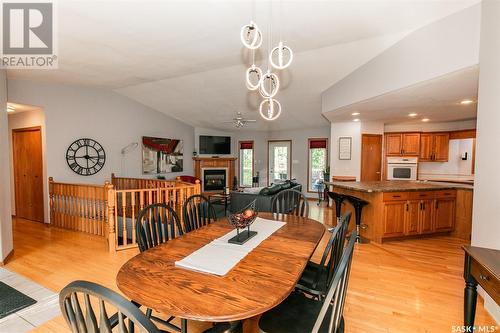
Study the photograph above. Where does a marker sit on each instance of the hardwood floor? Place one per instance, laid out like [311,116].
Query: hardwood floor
[405,286]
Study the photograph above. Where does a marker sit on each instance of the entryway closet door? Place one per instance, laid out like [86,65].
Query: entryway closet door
[28,173]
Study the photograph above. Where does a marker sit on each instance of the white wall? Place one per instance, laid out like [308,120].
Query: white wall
[23,120]
[442,47]
[73,112]
[6,242]
[485,224]
[350,167]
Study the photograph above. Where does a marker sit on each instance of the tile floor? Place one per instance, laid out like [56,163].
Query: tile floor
[45,309]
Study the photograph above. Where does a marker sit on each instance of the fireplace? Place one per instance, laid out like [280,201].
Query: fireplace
[214,179]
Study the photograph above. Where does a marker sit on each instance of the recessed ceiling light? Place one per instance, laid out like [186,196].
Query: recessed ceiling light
[466,101]
[355,114]
[356,119]
[412,115]
[425,119]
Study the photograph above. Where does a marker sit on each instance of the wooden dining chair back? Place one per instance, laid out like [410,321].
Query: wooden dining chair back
[197,212]
[316,278]
[88,307]
[333,304]
[156,224]
[290,202]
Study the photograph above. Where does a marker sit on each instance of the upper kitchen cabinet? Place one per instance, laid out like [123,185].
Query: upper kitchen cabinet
[402,144]
[434,147]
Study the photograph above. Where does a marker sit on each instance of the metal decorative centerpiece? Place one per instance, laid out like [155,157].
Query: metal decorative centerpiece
[242,220]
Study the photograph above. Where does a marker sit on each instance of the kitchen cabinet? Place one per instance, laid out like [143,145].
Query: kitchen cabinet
[444,214]
[434,147]
[402,144]
[419,212]
[394,217]
[412,217]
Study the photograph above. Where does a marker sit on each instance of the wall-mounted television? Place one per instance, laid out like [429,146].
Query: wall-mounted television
[215,145]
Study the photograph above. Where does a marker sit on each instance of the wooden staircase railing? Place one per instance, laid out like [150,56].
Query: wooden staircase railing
[110,210]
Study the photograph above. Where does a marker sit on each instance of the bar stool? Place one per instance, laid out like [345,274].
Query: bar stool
[358,205]
[338,199]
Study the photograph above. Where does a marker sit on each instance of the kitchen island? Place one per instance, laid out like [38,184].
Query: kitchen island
[403,209]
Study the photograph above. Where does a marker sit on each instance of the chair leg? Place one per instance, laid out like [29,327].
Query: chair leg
[184,325]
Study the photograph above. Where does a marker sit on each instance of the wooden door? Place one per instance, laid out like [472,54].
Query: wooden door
[412,217]
[393,144]
[426,144]
[394,218]
[426,217]
[28,173]
[411,144]
[441,147]
[371,157]
[444,214]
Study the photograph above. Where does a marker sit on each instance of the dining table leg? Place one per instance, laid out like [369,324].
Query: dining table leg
[251,325]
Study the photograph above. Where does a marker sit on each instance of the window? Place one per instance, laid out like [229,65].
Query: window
[246,163]
[318,163]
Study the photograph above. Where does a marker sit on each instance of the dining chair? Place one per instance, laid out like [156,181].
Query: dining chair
[290,202]
[197,212]
[300,313]
[316,278]
[78,298]
[156,224]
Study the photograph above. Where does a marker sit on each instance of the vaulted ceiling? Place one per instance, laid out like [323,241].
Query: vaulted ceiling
[184,58]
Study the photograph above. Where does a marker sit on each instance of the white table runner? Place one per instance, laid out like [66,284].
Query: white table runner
[219,257]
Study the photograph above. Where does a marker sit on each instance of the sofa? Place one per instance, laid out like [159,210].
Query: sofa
[263,196]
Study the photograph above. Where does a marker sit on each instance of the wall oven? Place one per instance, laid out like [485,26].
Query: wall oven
[402,168]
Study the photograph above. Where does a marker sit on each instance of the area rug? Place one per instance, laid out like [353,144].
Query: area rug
[12,300]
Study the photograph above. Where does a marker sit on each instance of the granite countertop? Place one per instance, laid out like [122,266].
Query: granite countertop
[398,185]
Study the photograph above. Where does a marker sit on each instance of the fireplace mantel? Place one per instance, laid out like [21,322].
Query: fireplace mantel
[215,162]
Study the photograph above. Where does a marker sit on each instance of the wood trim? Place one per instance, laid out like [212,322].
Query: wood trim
[309,159]
[239,157]
[463,134]
[267,158]
[7,258]
[473,170]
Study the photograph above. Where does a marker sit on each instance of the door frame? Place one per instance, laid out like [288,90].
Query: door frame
[381,136]
[28,129]
[239,160]
[290,158]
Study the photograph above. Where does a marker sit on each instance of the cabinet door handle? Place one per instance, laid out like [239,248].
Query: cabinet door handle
[420,206]
[407,207]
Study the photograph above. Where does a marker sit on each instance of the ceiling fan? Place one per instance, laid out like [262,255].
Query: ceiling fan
[239,121]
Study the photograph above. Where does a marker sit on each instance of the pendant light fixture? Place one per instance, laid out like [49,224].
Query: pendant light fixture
[280,57]
[272,81]
[251,36]
[270,109]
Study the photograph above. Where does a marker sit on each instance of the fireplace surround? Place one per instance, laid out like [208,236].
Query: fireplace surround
[213,163]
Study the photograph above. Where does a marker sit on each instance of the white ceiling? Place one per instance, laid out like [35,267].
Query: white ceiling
[184,58]
[438,100]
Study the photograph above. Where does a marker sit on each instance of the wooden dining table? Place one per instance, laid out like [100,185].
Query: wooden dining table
[259,282]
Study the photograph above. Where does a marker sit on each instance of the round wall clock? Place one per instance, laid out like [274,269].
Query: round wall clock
[85,157]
